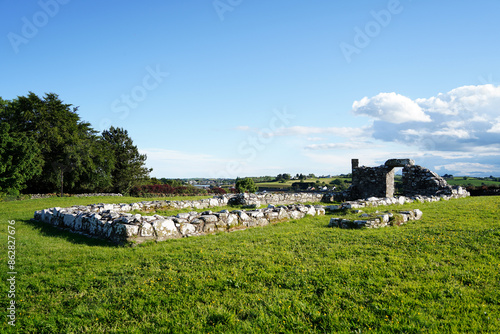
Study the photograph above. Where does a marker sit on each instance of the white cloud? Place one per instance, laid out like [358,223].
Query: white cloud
[340,146]
[410,132]
[463,119]
[495,128]
[171,155]
[345,132]
[390,107]
[171,163]
[308,130]
[465,100]
[460,126]
[467,168]
[451,132]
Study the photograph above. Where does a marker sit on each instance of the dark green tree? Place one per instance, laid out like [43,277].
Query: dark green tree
[245,185]
[172,182]
[71,155]
[19,160]
[63,140]
[129,166]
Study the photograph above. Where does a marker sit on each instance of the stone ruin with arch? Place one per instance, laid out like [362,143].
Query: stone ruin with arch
[379,181]
[371,186]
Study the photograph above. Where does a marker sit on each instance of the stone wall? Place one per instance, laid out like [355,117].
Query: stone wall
[275,198]
[418,180]
[39,196]
[114,222]
[379,181]
[103,222]
[372,182]
[378,220]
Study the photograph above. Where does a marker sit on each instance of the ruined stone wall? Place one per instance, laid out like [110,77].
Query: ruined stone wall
[418,180]
[100,221]
[39,196]
[372,182]
[379,181]
[377,220]
[275,198]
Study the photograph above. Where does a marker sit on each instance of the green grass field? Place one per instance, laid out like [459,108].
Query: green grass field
[437,275]
[289,183]
[461,181]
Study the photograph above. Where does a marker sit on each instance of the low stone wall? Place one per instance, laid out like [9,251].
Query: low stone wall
[39,196]
[110,222]
[375,201]
[115,222]
[377,220]
[455,192]
[275,198]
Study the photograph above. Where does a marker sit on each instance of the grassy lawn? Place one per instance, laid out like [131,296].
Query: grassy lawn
[439,275]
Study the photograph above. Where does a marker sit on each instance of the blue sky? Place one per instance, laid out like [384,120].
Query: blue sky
[230,88]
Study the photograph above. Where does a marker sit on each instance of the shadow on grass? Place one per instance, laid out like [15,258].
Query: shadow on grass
[47,230]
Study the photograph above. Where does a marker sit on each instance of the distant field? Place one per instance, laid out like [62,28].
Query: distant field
[473,181]
[289,183]
[437,275]
[461,181]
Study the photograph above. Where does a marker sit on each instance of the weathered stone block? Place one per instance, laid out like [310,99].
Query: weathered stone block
[209,228]
[146,230]
[209,218]
[187,229]
[124,231]
[399,162]
[183,215]
[165,229]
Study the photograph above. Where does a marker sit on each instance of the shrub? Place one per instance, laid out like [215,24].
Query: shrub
[218,191]
[159,190]
[246,185]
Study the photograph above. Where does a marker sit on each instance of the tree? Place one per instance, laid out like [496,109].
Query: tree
[245,185]
[19,160]
[129,166]
[283,177]
[64,142]
[172,182]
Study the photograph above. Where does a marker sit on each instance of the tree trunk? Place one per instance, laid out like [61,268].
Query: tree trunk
[62,180]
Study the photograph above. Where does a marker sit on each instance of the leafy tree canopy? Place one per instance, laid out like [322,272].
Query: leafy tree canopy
[53,149]
[129,168]
[245,185]
[19,160]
